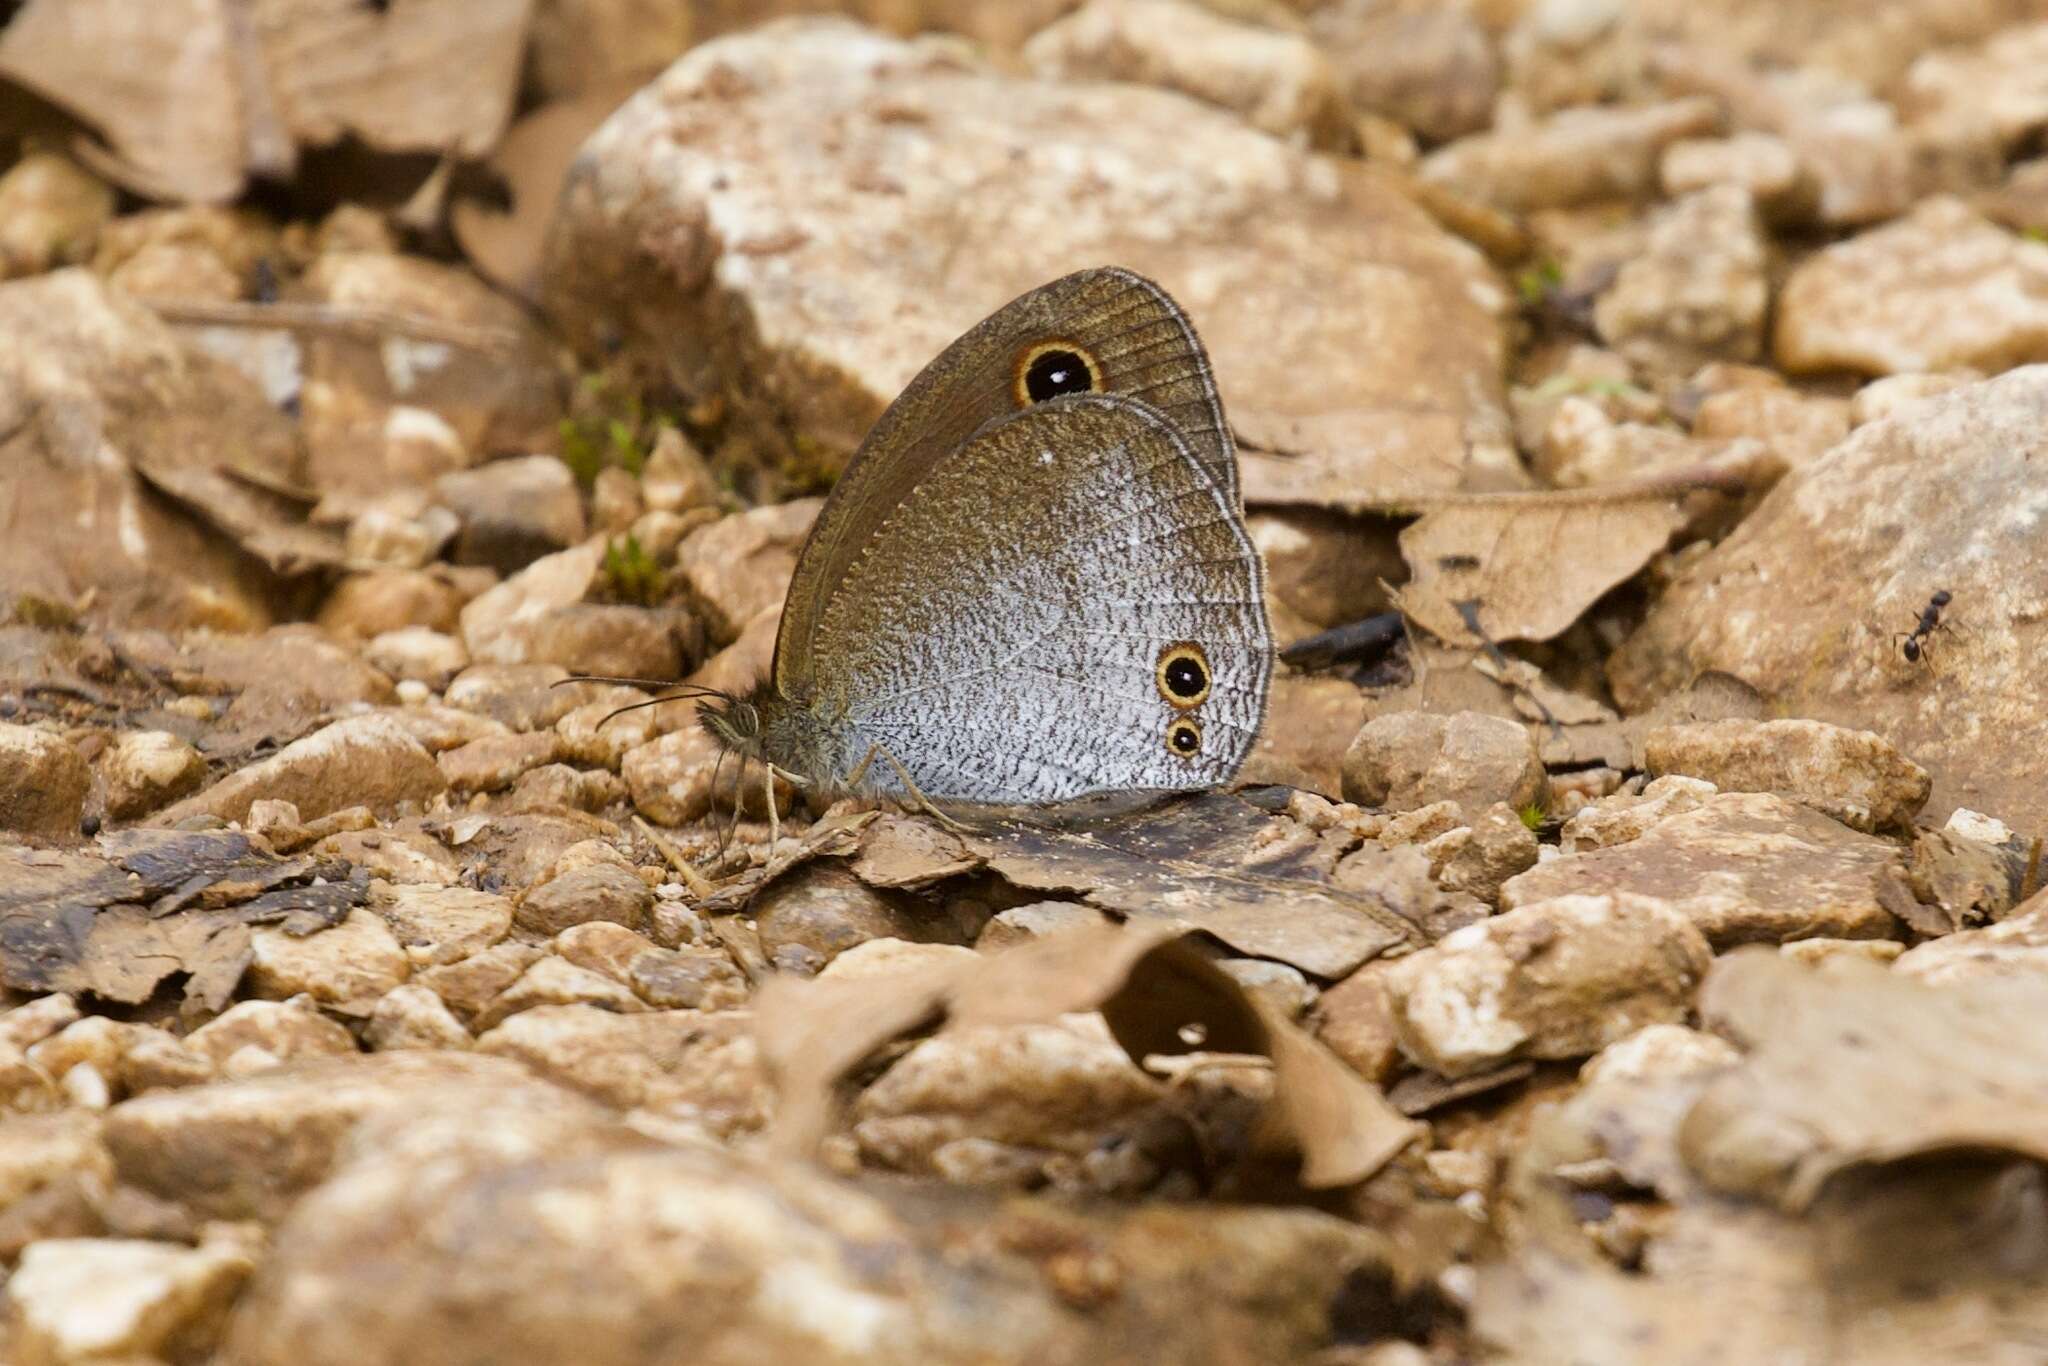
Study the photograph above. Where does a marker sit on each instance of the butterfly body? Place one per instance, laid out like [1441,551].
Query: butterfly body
[1062,600]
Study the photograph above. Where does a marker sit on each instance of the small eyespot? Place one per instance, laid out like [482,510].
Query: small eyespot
[1182,675]
[1184,738]
[1052,368]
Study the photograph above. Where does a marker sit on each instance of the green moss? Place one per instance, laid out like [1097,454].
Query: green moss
[1538,282]
[630,573]
[1532,815]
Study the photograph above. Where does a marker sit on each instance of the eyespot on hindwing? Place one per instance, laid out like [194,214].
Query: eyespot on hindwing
[1182,675]
[1050,368]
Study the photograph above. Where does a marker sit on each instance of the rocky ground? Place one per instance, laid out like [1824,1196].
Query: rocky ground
[1636,952]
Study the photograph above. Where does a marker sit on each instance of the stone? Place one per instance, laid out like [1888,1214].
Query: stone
[413,1017]
[1028,923]
[888,957]
[1405,760]
[1579,156]
[1624,816]
[559,785]
[1323,569]
[1803,600]
[1477,858]
[95,1299]
[1658,1052]
[768,213]
[26,1025]
[498,624]
[1283,987]
[678,1061]
[1816,952]
[368,604]
[400,530]
[1582,447]
[1995,92]
[817,912]
[51,213]
[1852,775]
[248,1149]
[43,783]
[1745,867]
[619,639]
[418,652]
[1276,81]
[1309,722]
[676,779]
[1355,1020]
[740,566]
[520,697]
[1940,289]
[81,516]
[24,1088]
[578,895]
[689,979]
[1431,69]
[367,760]
[281,1031]
[1893,394]
[436,925]
[2015,947]
[393,854]
[470,985]
[1558,978]
[1698,290]
[144,769]
[1040,1087]
[550,981]
[347,966]
[157,1060]
[512,512]
[1796,428]
[54,1173]
[676,477]
[1764,165]
[495,762]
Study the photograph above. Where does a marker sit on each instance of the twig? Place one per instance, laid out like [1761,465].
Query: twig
[700,886]
[358,322]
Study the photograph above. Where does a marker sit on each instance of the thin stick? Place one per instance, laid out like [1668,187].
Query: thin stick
[700,887]
[368,323]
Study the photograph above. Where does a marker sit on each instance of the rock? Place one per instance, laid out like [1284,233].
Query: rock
[889,957]
[248,1149]
[43,784]
[1660,1051]
[1278,82]
[498,624]
[1941,288]
[1995,93]
[418,652]
[1477,858]
[1803,600]
[1309,721]
[585,1243]
[579,895]
[1039,1087]
[1698,291]
[1625,816]
[278,1031]
[679,1061]
[1580,156]
[347,966]
[676,477]
[1745,867]
[438,925]
[740,566]
[1406,760]
[618,639]
[495,762]
[157,1060]
[550,981]
[2015,947]
[559,785]
[1816,952]
[95,1299]
[51,213]
[671,780]
[765,214]
[1853,776]
[1558,978]
[469,986]
[1355,1020]
[819,911]
[81,516]
[1583,448]
[143,769]
[364,759]
[513,512]
[24,1088]
[413,1017]
[394,854]
[365,605]
[1796,428]
[1024,924]
[1890,396]
[26,1025]
[54,1173]
[1323,569]
[520,697]
[1279,985]
[1432,70]
[1764,165]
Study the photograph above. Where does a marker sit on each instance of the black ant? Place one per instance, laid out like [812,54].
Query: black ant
[1930,621]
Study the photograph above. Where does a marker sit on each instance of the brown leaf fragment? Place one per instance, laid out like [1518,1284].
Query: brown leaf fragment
[1530,566]
[1160,995]
[1858,1065]
[898,851]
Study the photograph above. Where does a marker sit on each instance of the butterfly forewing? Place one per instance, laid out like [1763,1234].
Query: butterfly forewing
[1104,331]
[1068,604]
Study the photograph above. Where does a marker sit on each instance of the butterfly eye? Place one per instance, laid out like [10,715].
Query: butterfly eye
[1184,738]
[1182,675]
[1052,368]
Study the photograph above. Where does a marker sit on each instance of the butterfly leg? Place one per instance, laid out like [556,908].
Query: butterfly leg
[918,799]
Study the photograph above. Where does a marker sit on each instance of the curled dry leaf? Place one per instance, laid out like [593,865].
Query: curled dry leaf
[1527,567]
[1159,994]
[1859,1065]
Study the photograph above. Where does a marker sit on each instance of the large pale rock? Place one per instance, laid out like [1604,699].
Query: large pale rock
[1743,866]
[1940,289]
[1804,600]
[1406,760]
[1697,291]
[91,1299]
[1852,775]
[2015,947]
[695,1063]
[1559,978]
[363,761]
[1576,157]
[98,388]
[143,769]
[755,225]
[347,965]
[43,783]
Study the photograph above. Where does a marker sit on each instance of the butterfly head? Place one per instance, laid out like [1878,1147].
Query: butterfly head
[735,722]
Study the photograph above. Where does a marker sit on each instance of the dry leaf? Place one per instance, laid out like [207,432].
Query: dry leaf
[1159,994]
[904,852]
[1528,567]
[1859,1065]
[507,243]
